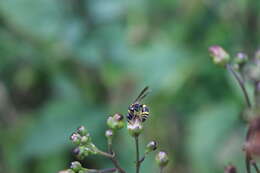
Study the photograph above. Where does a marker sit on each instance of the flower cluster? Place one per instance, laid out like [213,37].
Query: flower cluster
[245,69]
[135,119]
[82,139]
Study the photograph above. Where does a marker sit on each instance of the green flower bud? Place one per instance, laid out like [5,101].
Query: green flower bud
[75,138]
[241,58]
[75,166]
[230,169]
[162,159]
[109,134]
[151,146]
[116,122]
[84,140]
[80,152]
[219,55]
[135,128]
[82,131]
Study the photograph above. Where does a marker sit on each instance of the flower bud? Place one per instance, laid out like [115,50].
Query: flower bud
[75,138]
[80,152]
[219,55]
[135,128]
[109,134]
[230,169]
[84,140]
[82,131]
[76,151]
[75,166]
[151,146]
[241,58]
[115,122]
[162,159]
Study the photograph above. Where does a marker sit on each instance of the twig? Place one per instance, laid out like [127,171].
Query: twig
[241,84]
[138,163]
[161,169]
[114,159]
[108,170]
[105,154]
[247,161]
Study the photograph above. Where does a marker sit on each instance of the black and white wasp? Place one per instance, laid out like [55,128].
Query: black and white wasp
[137,110]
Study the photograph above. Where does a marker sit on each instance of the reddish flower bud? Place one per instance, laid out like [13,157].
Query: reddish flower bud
[219,55]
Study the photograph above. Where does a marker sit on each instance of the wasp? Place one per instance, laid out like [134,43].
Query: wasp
[137,110]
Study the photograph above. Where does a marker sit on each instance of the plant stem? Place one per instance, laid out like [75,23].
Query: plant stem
[114,159]
[256,167]
[108,170]
[241,84]
[137,155]
[105,154]
[257,94]
[161,169]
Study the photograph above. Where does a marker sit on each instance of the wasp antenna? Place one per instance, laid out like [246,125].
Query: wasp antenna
[142,94]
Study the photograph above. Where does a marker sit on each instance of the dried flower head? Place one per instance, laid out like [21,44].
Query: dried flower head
[135,127]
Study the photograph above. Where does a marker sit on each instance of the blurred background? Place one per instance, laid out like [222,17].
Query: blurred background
[65,63]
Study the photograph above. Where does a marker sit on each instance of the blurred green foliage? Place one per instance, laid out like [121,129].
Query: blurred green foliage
[65,63]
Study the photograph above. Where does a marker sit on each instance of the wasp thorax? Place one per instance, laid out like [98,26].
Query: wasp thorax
[138,111]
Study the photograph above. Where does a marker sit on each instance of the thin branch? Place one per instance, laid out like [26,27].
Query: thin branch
[161,169]
[138,163]
[241,84]
[247,161]
[108,170]
[105,154]
[114,159]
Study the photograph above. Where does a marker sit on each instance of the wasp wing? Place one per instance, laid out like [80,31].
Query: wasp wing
[142,94]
